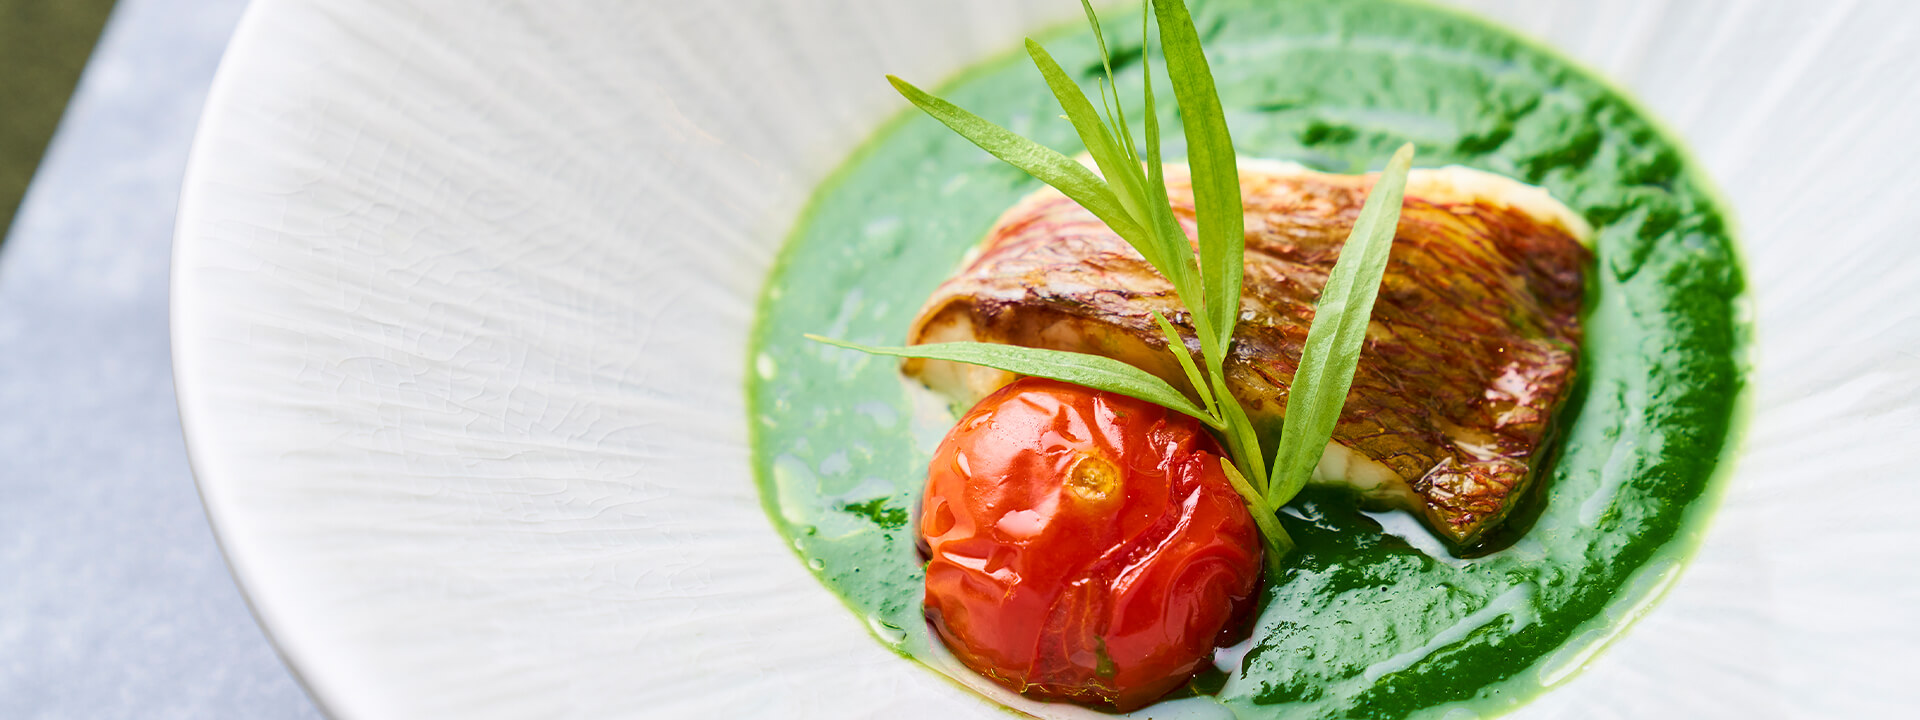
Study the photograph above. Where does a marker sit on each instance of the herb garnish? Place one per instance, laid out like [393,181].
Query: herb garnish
[1130,196]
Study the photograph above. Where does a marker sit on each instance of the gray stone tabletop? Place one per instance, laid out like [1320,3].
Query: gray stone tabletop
[114,599]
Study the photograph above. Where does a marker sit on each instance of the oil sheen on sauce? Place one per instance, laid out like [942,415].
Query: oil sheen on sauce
[1373,618]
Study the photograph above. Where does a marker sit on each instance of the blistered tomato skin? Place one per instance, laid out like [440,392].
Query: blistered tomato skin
[1083,545]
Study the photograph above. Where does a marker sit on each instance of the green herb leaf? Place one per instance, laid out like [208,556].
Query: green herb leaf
[1069,177]
[1109,92]
[1338,332]
[1178,346]
[1240,435]
[1183,271]
[1278,542]
[1122,171]
[1216,173]
[1094,371]
[1162,243]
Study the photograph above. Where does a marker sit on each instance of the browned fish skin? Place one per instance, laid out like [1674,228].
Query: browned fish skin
[1472,346]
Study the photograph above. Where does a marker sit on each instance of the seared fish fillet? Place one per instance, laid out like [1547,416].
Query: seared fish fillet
[1472,346]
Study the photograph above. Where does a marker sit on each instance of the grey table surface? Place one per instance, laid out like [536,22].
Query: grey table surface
[114,599]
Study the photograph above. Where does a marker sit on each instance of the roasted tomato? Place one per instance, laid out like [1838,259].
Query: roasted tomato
[1083,545]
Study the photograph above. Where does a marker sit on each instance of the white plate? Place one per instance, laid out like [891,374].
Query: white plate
[461,294]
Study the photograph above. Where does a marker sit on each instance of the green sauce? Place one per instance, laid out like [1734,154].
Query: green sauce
[1373,619]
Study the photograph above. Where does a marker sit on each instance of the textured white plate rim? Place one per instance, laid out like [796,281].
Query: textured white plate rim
[200,456]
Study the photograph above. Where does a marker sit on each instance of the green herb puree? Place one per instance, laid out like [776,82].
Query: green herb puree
[1372,619]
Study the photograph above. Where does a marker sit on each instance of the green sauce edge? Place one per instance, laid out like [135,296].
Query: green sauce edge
[1466,673]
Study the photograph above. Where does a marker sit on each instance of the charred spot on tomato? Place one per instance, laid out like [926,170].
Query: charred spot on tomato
[1084,546]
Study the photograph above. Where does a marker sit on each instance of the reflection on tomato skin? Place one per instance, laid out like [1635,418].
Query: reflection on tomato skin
[1084,545]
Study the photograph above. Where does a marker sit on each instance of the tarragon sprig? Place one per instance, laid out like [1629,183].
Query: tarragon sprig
[1129,194]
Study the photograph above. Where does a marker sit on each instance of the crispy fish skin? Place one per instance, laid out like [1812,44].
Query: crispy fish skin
[1471,349]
